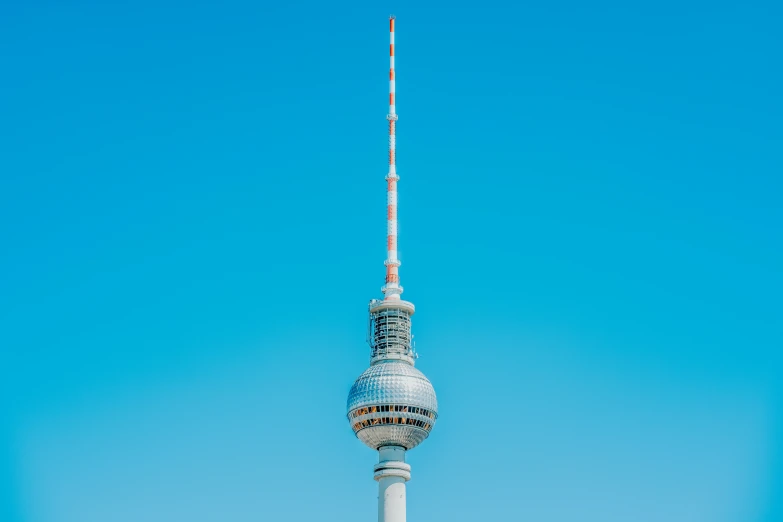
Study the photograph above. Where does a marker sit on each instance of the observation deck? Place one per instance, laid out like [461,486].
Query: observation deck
[389,331]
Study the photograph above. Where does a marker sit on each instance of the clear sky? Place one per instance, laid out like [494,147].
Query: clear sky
[192,216]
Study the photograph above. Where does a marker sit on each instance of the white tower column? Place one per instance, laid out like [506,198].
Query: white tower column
[392,473]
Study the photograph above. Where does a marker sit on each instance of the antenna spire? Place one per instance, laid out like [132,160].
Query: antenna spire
[392,288]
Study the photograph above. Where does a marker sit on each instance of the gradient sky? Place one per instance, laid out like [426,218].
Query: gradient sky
[192,215]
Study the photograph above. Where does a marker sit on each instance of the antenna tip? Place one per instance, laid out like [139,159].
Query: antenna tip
[392,17]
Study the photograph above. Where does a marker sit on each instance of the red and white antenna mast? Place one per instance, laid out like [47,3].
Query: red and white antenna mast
[392,288]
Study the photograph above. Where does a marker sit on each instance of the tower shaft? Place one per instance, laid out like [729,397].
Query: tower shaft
[392,473]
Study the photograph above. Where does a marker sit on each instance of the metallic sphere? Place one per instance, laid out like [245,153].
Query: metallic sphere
[392,404]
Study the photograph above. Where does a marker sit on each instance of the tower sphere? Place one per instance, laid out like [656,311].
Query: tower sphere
[392,404]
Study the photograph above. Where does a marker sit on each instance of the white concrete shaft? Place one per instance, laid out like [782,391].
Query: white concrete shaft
[391,499]
[392,473]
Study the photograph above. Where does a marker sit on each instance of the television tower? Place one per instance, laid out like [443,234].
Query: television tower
[392,406]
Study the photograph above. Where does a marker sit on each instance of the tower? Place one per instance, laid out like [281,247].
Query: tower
[392,406]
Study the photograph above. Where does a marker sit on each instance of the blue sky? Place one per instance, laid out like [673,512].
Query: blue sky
[192,220]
